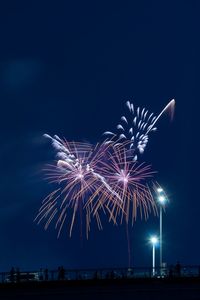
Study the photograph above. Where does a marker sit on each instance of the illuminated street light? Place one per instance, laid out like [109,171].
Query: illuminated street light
[159,190]
[154,242]
[162,201]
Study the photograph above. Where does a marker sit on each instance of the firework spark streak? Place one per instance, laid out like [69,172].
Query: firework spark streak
[136,126]
[75,173]
[127,179]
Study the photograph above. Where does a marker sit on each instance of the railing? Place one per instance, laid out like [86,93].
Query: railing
[15,276]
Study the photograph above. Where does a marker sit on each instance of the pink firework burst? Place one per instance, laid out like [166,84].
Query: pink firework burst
[80,186]
[128,180]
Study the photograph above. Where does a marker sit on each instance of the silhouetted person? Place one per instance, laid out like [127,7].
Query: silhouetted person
[96,275]
[107,275]
[171,271]
[59,277]
[112,275]
[12,274]
[46,274]
[41,274]
[178,269]
[18,275]
[62,273]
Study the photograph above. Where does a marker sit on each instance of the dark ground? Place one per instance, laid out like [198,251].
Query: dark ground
[118,289]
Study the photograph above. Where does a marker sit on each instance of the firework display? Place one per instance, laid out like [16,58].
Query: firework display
[105,178]
[137,125]
[128,179]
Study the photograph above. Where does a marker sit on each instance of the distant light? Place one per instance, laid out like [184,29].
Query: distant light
[154,240]
[162,199]
[159,190]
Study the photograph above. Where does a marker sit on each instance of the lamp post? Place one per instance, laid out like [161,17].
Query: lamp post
[162,200]
[154,242]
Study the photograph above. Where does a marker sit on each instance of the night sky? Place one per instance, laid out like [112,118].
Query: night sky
[67,68]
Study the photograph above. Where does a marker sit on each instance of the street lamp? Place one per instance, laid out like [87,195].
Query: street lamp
[161,200]
[154,242]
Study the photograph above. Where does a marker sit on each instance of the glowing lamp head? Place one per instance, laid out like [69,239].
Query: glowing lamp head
[154,240]
[162,199]
[159,190]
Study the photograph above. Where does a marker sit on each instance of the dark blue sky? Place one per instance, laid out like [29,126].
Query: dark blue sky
[67,68]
